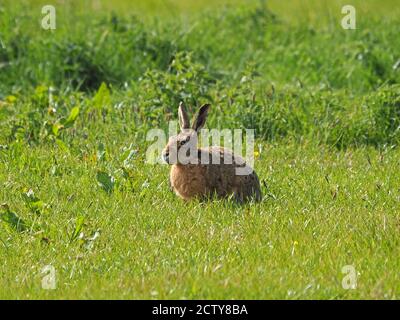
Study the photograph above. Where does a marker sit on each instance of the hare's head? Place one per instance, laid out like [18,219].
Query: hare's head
[182,148]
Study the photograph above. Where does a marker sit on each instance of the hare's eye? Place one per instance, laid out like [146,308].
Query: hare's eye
[182,142]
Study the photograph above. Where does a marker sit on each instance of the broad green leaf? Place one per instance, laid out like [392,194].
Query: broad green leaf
[102,98]
[12,221]
[101,152]
[62,145]
[78,228]
[34,203]
[105,181]
[55,128]
[72,117]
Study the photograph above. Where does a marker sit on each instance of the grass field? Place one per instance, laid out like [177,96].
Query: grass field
[77,194]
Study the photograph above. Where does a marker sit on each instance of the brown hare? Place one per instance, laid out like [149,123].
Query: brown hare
[202,172]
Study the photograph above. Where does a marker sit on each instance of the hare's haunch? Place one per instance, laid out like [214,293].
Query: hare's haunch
[203,172]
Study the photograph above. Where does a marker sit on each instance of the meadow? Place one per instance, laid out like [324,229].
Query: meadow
[77,195]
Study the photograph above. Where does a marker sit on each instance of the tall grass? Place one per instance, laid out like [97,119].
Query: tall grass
[334,86]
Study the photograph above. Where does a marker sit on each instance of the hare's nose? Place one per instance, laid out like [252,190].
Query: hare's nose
[165,156]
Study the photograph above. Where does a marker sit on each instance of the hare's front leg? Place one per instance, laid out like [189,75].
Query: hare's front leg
[237,195]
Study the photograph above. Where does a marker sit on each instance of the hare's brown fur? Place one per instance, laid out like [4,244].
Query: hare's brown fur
[200,180]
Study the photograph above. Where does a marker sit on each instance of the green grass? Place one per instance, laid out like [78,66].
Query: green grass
[322,210]
[325,103]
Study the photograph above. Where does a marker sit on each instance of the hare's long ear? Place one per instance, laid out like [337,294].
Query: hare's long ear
[184,121]
[201,117]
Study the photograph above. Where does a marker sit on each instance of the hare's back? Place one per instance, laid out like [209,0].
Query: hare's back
[232,174]
[221,156]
